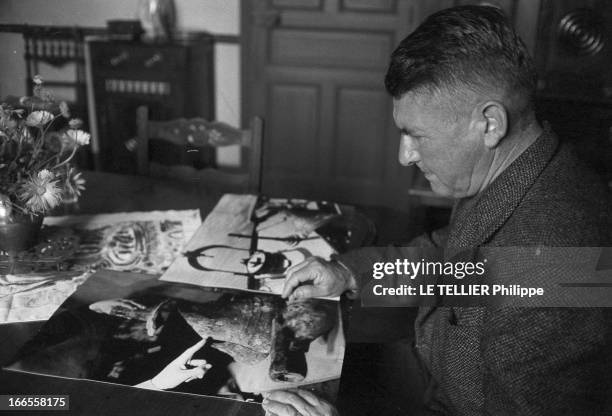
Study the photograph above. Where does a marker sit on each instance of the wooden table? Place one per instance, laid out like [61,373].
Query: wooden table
[111,192]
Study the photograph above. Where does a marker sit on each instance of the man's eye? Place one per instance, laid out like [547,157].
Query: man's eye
[404,134]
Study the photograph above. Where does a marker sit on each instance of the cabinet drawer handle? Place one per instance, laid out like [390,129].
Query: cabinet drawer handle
[122,57]
[158,57]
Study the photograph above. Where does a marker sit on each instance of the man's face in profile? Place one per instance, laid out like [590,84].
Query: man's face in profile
[441,139]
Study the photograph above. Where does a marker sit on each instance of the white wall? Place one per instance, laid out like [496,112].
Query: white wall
[215,16]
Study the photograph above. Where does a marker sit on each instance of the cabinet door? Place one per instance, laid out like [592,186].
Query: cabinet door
[315,73]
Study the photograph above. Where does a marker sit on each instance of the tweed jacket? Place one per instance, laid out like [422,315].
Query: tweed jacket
[518,361]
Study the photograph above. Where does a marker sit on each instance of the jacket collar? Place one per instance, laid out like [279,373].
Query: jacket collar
[478,218]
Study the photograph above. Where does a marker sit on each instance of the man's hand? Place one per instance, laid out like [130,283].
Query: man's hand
[296,402]
[178,372]
[317,277]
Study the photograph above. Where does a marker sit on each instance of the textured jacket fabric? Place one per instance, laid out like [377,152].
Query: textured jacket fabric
[518,361]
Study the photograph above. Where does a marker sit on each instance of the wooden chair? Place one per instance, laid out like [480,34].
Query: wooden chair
[57,46]
[199,135]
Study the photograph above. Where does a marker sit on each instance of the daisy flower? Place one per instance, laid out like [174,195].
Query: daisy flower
[74,184]
[46,174]
[75,123]
[40,193]
[81,137]
[64,109]
[38,118]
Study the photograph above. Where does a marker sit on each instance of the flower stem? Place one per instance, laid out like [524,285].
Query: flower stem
[19,208]
[41,141]
[74,149]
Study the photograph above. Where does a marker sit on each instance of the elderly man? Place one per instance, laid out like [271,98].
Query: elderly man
[463,99]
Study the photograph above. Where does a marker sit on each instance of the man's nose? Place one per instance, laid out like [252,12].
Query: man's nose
[408,153]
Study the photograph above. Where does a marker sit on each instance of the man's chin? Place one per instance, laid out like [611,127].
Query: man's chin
[441,190]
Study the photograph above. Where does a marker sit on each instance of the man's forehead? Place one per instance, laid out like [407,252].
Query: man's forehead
[409,108]
[420,98]
[428,107]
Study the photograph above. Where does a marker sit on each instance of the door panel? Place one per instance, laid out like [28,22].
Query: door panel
[387,6]
[329,49]
[298,4]
[359,151]
[293,151]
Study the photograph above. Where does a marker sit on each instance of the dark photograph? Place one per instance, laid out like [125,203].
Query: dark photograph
[207,341]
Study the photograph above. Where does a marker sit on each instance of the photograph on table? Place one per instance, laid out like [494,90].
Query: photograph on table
[249,242]
[71,248]
[132,329]
[144,242]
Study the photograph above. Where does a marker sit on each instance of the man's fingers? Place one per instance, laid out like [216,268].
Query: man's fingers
[305,292]
[280,409]
[293,281]
[300,265]
[292,399]
[301,274]
[310,397]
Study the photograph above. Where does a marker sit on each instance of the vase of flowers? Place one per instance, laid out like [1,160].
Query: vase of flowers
[38,141]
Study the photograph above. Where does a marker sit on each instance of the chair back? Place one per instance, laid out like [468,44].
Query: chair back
[57,47]
[200,135]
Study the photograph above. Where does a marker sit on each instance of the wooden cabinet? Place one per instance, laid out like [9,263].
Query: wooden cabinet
[173,79]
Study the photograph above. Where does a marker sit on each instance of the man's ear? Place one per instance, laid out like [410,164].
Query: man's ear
[495,123]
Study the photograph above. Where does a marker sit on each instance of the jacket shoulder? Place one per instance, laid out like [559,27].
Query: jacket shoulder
[567,205]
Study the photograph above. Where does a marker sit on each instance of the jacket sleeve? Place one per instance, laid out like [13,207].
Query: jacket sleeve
[360,261]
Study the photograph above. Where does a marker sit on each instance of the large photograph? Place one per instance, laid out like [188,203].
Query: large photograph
[134,330]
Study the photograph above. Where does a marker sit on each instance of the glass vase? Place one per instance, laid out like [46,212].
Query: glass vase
[158,19]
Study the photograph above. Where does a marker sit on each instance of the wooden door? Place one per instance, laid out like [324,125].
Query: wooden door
[314,71]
